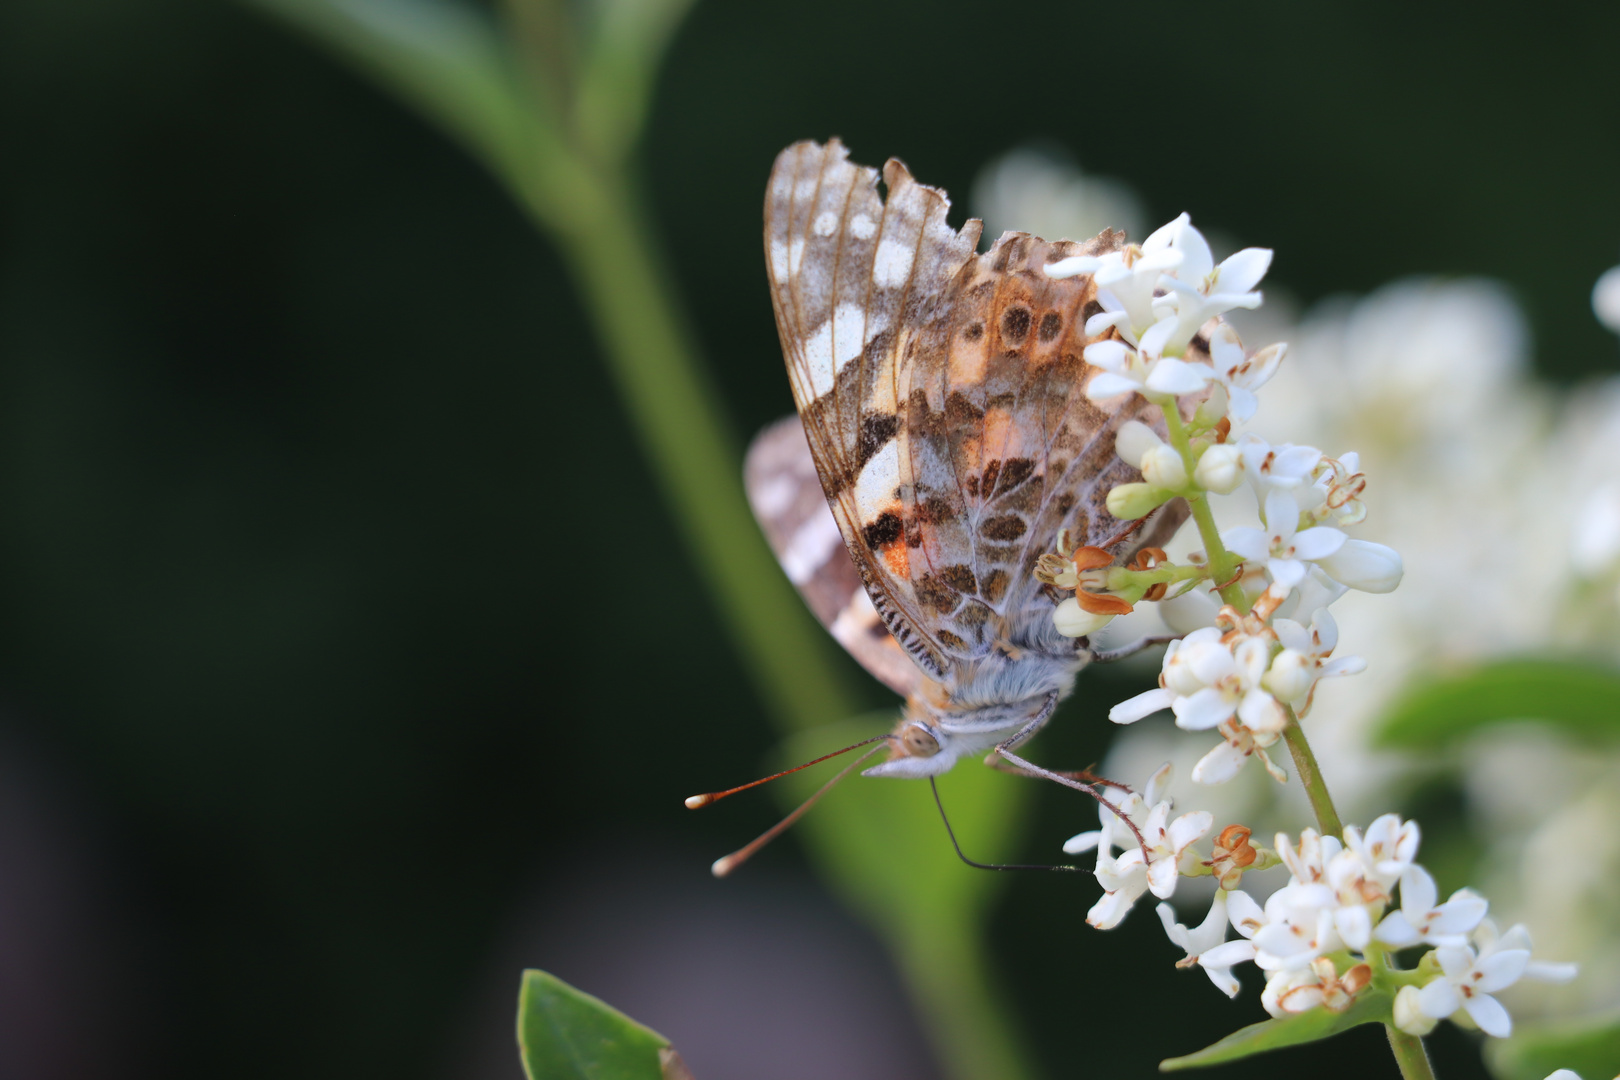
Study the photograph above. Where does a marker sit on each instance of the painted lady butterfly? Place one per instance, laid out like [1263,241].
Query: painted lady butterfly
[943,420]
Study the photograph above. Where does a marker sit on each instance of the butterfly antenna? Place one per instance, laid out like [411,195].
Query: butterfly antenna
[724,866]
[1123,533]
[979,865]
[698,801]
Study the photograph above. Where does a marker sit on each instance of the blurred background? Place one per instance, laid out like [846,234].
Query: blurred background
[351,661]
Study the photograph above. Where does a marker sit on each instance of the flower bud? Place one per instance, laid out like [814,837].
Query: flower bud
[1134,440]
[1408,1016]
[1220,469]
[1072,620]
[1363,565]
[1163,468]
[1290,675]
[1131,501]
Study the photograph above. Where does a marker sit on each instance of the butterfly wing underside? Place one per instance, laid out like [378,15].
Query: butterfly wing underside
[942,400]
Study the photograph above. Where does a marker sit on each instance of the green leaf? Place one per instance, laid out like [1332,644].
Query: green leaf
[1371,1007]
[1580,699]
[1591,1047]
[879,842]
[566,1034]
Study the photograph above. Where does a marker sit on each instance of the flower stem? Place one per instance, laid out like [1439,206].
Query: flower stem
[1409,1054]
[1222,565]
[1310,775]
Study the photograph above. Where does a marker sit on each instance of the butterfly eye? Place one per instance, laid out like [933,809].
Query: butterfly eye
[919,741]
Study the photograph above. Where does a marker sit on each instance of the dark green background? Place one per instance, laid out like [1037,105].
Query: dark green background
[337,615]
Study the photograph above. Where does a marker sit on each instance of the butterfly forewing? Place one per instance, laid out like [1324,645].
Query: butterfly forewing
[942,397]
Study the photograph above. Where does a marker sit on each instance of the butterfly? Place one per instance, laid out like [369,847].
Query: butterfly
[943,440]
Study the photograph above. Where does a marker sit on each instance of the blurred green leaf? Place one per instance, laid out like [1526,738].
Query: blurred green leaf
[880,842]
[1580,699]
[566,1034]
[1590,1047]
[1371,1007]
[625,39]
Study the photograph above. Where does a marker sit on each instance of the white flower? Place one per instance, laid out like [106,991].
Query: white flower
[1421,919]
[1284,548]
[1305,658]
[1198,942]
[1072,620]
[1299,927]
[1317,986]
[1239,373]
[1606,299]
[1222,763]
[1468,983]
[1284,465]
[1200,290]
[1228,680]
[1563,1074]
[1126,280]
[1489,942]
[1388,848]
[1144,370]
[1126,878]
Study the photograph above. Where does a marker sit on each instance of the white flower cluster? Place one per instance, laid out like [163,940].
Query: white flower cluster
[1315,936]
[1234,673]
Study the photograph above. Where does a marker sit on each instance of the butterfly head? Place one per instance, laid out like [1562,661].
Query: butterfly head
[932,737]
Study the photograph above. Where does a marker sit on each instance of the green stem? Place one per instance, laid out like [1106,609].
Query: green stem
[1222,564]
[1409,1054]
[676,416]
[1310,775]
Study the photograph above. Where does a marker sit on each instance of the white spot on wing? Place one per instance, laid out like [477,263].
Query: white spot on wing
[812,542]
[806,189]
[862,226]
[874,489]
[826,223]
[779,260]
[835,344]
[891,264]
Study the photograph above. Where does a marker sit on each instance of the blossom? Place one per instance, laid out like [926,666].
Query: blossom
[1239,373]
[1284,465]
[1488,941]
[1309,652]
[1283,547]
[1364,566]
[1152,865]
[1420,918]
[1200,289]
[1144,369]
[1126,280]
[1319,985]
[1198,941]
[1468,982]
[1141,446]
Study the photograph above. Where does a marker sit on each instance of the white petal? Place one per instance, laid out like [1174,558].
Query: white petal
[1318,543]
[1189,828]
[1142,705]
[1198,259]
[1439,999]
[1162,877]
[1500,970]
[1099,323]
[1134,440]
[1364,565]
[1393,930]
[1229,954]
[1418,894]
[1108,355]
[1247,543]
[1073,266]
[1219,765]
[1260,712]
[1153,341]
[1165,234]
[1172,929]
[1172,376]
[1222,977]
[1081,843]
[1457,916]
[1488,1013]
[1243,270]
[1285,573]
[1246,915]
[1353,925]
[1108,385]
[1282,514]
[1541,971]
[1203,710]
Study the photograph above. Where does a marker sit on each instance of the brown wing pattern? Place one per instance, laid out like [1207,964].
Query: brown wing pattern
[785,493]
[942,394]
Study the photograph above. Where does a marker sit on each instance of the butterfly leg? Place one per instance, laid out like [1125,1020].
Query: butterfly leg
[1004,751]
[1109,655]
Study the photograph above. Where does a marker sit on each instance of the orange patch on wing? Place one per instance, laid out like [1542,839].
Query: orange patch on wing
[897,559]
